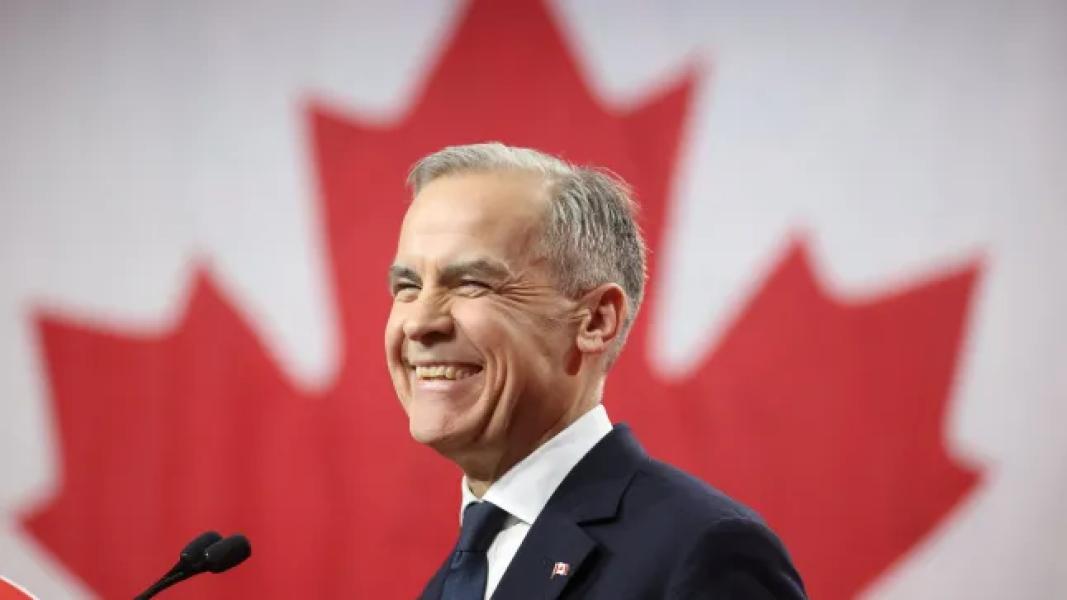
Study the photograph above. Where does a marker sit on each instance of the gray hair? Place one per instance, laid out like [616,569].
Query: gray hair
[591,236]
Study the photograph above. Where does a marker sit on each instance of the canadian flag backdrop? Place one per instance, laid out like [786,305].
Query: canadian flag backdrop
[855,323]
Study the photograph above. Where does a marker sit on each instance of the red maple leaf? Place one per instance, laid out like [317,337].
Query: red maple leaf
[826,417]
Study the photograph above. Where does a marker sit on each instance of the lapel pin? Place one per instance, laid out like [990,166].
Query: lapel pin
[561,569]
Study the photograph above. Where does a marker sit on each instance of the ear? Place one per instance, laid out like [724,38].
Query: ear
[603,312]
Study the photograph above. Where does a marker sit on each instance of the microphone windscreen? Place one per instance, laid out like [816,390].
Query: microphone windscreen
[193,553]
[227,553]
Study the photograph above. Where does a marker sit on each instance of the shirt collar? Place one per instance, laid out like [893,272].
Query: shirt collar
[525,489]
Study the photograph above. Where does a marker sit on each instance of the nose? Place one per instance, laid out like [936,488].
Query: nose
[429,320]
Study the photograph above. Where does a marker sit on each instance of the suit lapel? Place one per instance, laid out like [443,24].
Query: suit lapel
[553,540]
[590,492]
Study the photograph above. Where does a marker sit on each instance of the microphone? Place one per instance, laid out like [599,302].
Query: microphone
[227,553]
[192,557]
[207,552]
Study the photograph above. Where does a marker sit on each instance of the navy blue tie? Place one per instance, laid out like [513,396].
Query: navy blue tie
[468,568]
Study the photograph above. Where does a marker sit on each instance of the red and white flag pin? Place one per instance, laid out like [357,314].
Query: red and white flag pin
[561,569]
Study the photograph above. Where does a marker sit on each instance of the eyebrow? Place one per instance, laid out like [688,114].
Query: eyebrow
[398,272]
[478,267]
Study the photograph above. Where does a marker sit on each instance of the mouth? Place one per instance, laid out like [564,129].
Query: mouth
[444,371]
[443,376]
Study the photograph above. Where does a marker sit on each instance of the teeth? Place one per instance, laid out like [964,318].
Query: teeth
[443,372]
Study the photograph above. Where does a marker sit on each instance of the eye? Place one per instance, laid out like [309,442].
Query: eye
[404,287]
[475,285]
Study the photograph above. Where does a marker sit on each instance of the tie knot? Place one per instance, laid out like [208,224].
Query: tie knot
[481,522]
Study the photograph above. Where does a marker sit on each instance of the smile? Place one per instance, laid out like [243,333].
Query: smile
[447,372]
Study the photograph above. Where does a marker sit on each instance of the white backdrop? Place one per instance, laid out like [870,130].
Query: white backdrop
[899,137]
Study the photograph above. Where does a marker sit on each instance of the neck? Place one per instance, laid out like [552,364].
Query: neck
[485,466]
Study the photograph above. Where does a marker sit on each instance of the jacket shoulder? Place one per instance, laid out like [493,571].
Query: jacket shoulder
[721,547]
[687,497]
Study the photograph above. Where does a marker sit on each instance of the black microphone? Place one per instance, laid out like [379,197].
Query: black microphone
[192,557]
[208,552]
[227,553]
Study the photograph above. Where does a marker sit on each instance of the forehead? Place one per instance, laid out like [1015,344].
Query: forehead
[497,215]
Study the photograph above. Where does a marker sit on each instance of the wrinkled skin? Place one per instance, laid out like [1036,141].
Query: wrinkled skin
[470,289]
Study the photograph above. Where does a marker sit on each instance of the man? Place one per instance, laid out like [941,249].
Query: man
[516,279]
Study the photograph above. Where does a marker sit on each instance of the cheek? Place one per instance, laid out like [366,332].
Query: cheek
[484,326]
[511,335]
[394,334]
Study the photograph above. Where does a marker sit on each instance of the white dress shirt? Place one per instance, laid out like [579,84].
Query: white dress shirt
[525,489]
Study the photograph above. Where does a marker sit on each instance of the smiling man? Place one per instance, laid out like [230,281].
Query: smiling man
[516,279]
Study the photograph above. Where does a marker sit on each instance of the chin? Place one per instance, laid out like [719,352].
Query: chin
[431,429]
[425,435]
[443,434]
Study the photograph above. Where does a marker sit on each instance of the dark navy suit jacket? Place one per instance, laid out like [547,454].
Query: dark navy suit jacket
[630,527]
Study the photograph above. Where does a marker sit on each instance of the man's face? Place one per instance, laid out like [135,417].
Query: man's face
[479,339]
